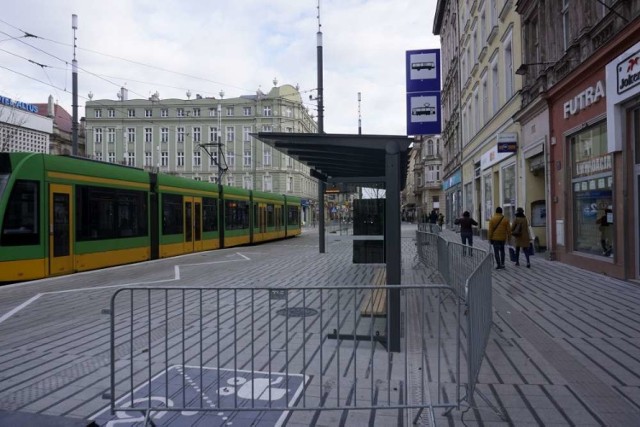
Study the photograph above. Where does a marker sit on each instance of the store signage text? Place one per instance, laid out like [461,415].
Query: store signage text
[507,142]
[594,165]
[584,99]
[18,104]
[628,72]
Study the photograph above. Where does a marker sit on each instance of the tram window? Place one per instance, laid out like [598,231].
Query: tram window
[209,214]
[3,183]
[109,213]
[21,219]
[270,216]
[236,214]
[172,218]
[294,215]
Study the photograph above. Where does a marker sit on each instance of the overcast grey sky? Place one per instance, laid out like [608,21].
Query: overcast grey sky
[210,45]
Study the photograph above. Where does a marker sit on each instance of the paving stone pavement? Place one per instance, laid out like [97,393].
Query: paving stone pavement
[564,349]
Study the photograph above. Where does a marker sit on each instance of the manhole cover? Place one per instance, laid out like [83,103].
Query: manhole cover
[297,312]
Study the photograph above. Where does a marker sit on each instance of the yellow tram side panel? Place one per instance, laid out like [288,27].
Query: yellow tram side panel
[269,235]
[26,269]
[97,260]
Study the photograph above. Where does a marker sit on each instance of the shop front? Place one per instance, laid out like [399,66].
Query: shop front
[452,188]
[623,139]
[586,179]
[498,171]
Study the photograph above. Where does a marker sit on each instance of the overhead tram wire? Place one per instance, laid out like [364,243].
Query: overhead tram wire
[27,34]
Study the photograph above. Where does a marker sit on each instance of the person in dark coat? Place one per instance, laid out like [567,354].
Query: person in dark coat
[466,231]
[433,217]
[522,237]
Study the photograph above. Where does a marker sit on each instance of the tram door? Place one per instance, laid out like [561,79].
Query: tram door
[263,218]
[60,228]
[192,224]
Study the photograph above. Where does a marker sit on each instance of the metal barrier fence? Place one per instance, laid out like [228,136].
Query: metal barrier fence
[454,261]
[468,271]
[281,349]
[479,319]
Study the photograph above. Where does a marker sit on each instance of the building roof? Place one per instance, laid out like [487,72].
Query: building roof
[61,119]
[341,157]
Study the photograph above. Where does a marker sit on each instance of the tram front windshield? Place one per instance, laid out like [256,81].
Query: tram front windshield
[4,178]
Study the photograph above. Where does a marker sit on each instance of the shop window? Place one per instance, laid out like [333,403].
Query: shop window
[592,192]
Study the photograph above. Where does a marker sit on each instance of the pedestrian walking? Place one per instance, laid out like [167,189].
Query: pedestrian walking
[466,224]
[522,237]
[499,233]
[433,217]
[440,220]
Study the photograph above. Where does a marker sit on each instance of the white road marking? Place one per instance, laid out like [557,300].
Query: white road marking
[176,277]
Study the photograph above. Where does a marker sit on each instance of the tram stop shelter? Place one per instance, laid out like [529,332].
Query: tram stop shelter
[365,160]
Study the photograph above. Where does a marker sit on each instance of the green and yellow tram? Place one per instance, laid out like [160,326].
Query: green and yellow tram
[60,215]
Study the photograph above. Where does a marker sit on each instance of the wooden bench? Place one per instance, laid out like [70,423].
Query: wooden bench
[376,303]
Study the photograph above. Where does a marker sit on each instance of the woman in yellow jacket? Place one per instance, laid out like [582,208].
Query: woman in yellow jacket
[499,233]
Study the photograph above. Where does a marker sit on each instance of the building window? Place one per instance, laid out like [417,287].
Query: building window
[196,112]
[592,184]
[266,156]
[213,158]
[231,159]
[147,159]
[288,112]
[131,135]
[267,128]
[267,183]
[230,111]
[197,160]
[164,158]
[164,112]
[509,191]
[196,134]
[485,102]
[566,30]
[212,112]
[488,197]
[164,135]
[290,184]
[246,131]
[97,135]
[180,135]
[111,113]
[495,87]
[508,69]
[246,111]
[247,182]
[98,155]
[180,158]
[180,112]
[111,157]
[289,162]
[266,111]
[230,181]
[213,134]
[98,113]
[148,112]
[148,135]
[247,154]
[131,158]
[111,135]
[231,134]
[131,112]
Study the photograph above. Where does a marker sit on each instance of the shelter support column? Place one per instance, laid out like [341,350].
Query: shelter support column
[393,240]
[321,189]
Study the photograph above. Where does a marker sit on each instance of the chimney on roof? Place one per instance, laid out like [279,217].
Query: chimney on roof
[124,94]
[50,107]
